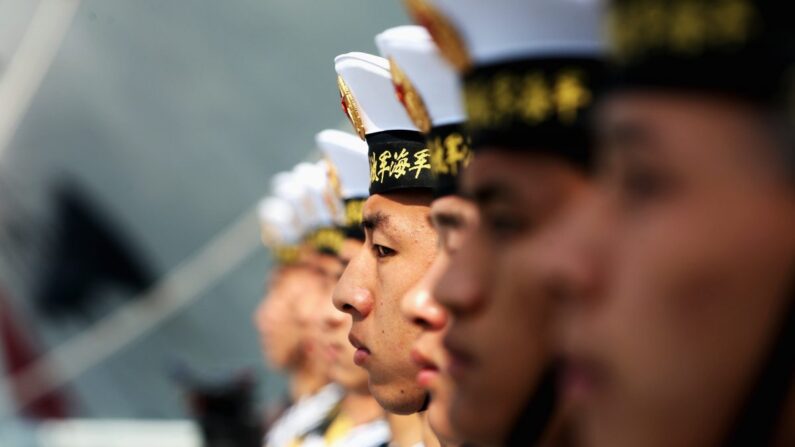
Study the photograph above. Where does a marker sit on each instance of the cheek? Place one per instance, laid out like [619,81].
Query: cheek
[399,274]
[689,308]
[515,358]
[438,416]
[519,299]
[435,346]
[520,285]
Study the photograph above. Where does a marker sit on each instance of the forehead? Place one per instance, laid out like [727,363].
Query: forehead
[349,247]
[329,265]
[694,125]
[513,174]
[453,212]
[398,211]
[452,205]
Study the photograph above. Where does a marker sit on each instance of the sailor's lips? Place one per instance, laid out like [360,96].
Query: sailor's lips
[460,360]
[429,370]
[582,378]
[332,351]
[584,372]
[362,353]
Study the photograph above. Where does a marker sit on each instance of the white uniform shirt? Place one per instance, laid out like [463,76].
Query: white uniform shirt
[371,434]
[303,416]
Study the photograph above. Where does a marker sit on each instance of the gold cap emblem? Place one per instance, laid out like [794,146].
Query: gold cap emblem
[443,33]
[410,98]
[350,108]
[333,192]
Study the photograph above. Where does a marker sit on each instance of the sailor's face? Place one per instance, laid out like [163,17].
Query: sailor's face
[316,288]
[275,319]
[453,219]
[334,326]
[496,289]
[400,245]
[680,272]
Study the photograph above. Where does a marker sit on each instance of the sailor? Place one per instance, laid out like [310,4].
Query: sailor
[300,284]
[531,73]
[678,277]
[358,420]
[399,241]
[429,89]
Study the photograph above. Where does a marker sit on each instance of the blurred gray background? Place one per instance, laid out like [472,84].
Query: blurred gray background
[171,115]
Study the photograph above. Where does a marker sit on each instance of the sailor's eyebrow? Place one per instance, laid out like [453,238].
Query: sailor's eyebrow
[489,193]
[374,221]
[446,220]
[625,136]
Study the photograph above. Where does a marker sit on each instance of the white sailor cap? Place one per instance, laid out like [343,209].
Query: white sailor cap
[347,155]
[502,30]
[285,185]
[399,158]
[349,175]
[278,230]
[426,84]
[368,97]
[277,222]
[314,203]
[531,69]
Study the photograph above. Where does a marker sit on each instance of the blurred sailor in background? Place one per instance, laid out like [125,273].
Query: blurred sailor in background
[429,90]
[358,420]
[300,231]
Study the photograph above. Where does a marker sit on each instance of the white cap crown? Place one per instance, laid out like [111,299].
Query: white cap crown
[368,94]
[415,56]
[277,222]
[500,30]
[348,156]
[315,202]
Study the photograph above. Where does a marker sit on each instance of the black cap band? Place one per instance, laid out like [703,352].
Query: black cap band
[450,154]
[326,240]
[736,48]
[399,160]
[353,218]
[539,105]
[286,254]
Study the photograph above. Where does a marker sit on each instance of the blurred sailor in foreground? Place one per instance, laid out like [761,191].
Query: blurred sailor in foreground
[399,241]
[678,276]
[530,71]
[429,90]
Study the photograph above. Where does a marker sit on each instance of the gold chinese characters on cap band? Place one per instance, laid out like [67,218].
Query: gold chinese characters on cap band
[353,213]
[530,97]
[396,164]
[410,98]
[350,108]
[443,32]
[449,153]
[679,27]
[288,254]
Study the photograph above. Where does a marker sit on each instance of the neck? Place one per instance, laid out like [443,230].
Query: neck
[360,408]
[406,430]
[429,438]
[305,382]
